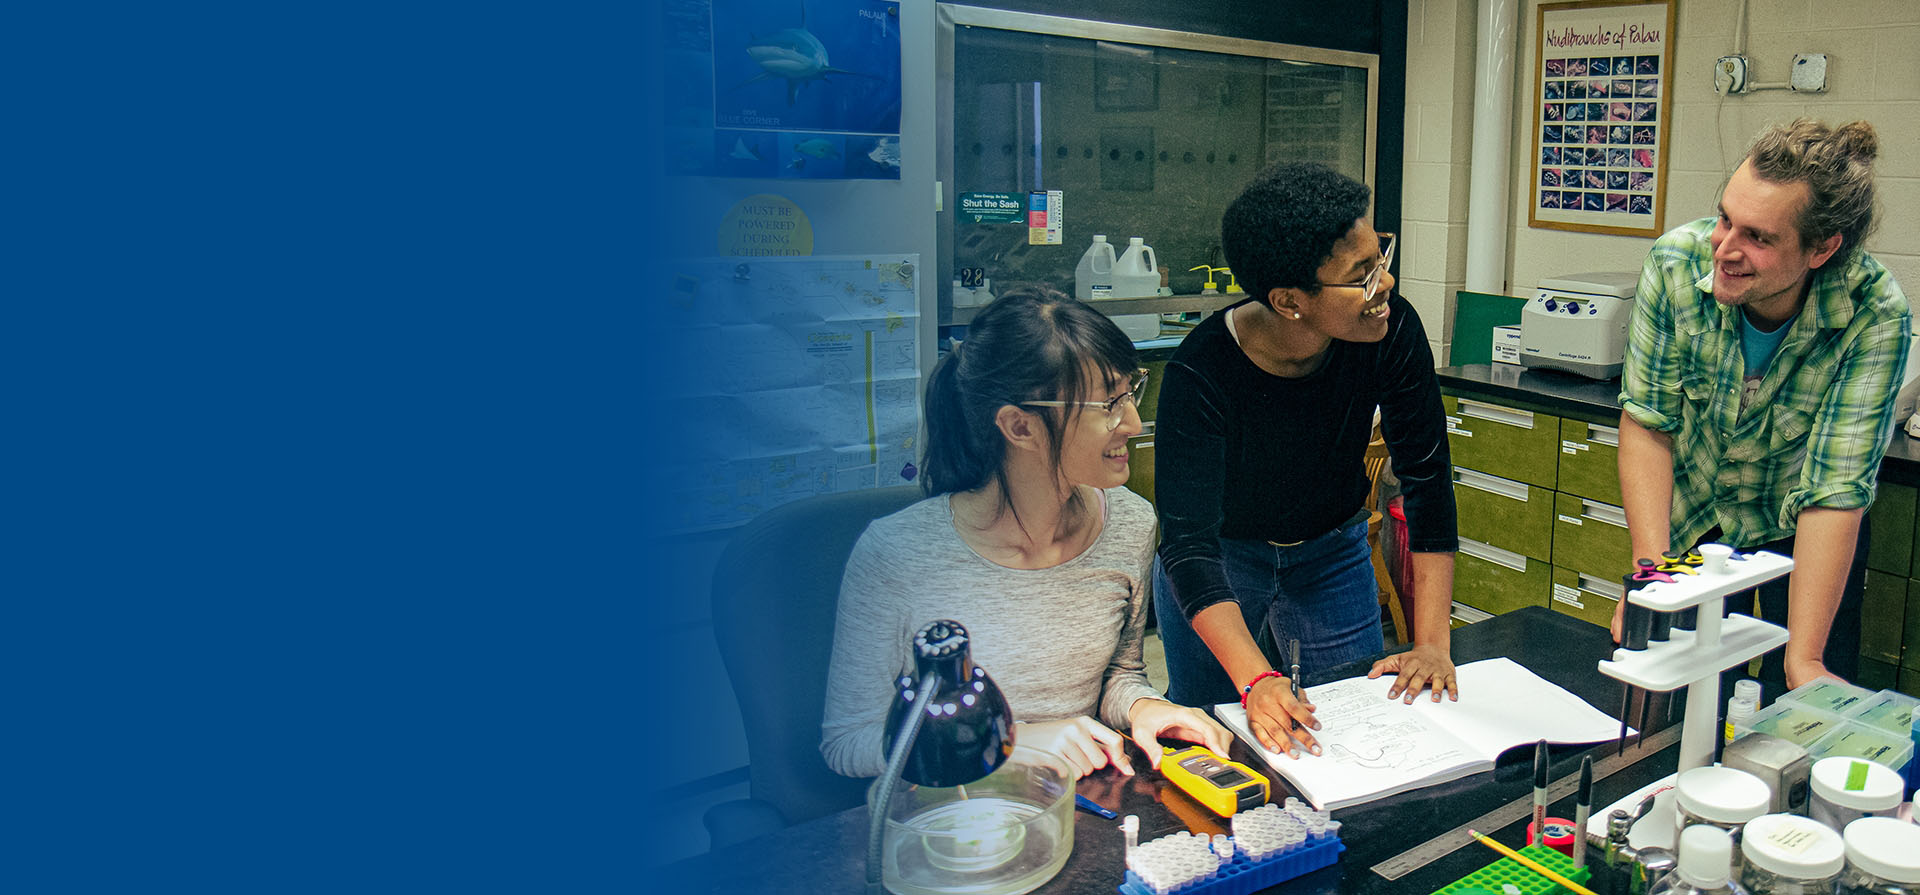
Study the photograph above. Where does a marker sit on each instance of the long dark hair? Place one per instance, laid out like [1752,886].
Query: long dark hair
[1031,344]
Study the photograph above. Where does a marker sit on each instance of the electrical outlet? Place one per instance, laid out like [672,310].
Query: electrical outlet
[1809,73]
[1730,75]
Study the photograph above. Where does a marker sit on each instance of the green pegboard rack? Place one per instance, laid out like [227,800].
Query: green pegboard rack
[1494,876]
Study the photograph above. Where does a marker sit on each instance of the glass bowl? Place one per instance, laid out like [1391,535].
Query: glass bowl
[1002,835]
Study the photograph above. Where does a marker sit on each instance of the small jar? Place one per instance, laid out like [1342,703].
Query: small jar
[1883,857]
[1839,799]
[1723,797]
[1786,854]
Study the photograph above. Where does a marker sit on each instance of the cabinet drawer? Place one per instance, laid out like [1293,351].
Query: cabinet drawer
[1503,441]
[1590,460]
[1585,596]
[1493,580]
[1150,399]
[1877,675]
[1509,515]
[1590,537]
[1140,464]
[1909,627]
[1890,536]
[1883,616]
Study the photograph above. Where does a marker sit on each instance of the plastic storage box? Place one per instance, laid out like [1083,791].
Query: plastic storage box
[1798,724]
[1886,710]
[1829,696]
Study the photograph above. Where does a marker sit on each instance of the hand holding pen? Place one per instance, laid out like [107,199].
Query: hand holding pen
[1281,719]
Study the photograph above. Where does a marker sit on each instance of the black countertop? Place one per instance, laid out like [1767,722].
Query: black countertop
[1598,400]
[828,854]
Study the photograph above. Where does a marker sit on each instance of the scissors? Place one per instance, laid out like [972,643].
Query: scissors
[1650,571]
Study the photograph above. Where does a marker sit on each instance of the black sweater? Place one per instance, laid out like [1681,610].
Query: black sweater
[1241,453]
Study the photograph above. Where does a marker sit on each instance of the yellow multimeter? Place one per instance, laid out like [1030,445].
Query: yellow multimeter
[1221,784]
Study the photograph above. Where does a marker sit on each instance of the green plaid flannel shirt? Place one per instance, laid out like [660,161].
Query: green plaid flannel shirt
[1815,432]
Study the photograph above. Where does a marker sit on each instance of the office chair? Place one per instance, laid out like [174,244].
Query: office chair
[774,596]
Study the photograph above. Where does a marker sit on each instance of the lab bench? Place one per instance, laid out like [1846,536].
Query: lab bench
[1538,490]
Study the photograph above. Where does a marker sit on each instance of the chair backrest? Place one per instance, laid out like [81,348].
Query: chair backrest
[774,595]
[1376,461]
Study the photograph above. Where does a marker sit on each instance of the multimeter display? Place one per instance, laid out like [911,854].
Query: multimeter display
[1224,786]
[1210,768]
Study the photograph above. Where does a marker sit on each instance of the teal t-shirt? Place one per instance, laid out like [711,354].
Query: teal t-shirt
[1757,349]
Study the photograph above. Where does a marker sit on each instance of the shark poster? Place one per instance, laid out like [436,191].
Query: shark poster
[790,89]
[793,65]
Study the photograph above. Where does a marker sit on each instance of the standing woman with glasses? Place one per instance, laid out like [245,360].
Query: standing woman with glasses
[1027,537]
[1260,441]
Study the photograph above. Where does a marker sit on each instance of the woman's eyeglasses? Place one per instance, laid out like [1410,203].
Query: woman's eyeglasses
[1372,283]
[1111,407]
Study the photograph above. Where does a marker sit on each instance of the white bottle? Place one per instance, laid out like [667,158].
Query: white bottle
[1137,275]
[1706,855]
[1093,278]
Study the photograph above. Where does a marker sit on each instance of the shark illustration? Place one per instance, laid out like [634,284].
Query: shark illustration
[793,54]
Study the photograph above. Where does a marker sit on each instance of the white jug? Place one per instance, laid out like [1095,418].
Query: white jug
[1093,278]
[1137,274]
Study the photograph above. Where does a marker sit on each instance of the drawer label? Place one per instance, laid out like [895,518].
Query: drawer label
[1570,520]
[1571,446]
[1567,595]
[1460,432]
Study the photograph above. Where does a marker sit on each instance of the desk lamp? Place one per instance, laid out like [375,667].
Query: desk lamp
[950,726]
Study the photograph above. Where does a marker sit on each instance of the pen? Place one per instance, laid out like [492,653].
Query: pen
[1087,804]
[1582,806]
[1539,793]
[1293,648]
[1532,865]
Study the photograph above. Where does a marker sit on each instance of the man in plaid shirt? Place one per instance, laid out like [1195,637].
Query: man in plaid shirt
[1757,396]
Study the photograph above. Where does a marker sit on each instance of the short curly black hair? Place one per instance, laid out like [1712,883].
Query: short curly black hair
[1284,225]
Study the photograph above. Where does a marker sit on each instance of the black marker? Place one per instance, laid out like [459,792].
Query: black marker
[1582,806]
[1539,794]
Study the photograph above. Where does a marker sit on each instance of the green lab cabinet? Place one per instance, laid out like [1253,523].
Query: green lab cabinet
[1497,581]
[1504,441]
[1877,675]
[1908,681]
[1591,537]
[1890,536]
[1590,460]
[1150,397]
[1587,597]
[1883,616]
[1510,515]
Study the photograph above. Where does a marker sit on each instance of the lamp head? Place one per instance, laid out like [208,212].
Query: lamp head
[968,730]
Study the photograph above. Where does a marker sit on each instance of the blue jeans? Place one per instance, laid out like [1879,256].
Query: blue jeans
[1320,591]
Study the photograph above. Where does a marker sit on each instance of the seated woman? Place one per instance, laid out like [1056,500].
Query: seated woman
[1028,537]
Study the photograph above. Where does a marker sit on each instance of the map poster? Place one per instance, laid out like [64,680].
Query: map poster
[792,377]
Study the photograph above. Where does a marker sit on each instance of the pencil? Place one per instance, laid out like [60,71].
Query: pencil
[1532,865]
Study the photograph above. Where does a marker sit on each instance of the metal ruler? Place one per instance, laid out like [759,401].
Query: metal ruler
[1453,840]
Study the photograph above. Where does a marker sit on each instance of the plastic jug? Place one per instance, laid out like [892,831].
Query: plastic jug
[1137,274]
[1093,278]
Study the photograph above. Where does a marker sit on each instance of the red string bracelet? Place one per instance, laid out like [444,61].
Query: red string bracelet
[1248,689]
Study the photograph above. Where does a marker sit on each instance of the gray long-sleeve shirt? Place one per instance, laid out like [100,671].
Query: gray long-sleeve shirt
[1060,642]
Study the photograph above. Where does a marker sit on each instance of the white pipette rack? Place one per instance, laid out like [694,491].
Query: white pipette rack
[1694,659]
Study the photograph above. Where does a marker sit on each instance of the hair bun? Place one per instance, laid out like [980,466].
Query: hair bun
[1858,141]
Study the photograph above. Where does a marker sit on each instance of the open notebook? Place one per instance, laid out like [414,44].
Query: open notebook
[1373,746]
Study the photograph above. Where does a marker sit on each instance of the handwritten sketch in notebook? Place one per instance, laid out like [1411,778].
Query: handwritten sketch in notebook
[1360,729]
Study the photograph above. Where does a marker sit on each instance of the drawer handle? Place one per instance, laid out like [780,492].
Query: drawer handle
[1603,512]
[1600,587]
[1496,413]
[1468,614]
[1606,435]
[1146,427]
[1492,484]
[1493,554]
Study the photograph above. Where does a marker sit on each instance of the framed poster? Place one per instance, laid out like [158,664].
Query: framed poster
[1601,112]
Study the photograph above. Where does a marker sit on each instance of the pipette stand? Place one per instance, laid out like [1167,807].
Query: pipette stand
[1694,659]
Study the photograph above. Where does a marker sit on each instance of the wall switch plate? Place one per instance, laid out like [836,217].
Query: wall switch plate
[1730,75]
[1809,73]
